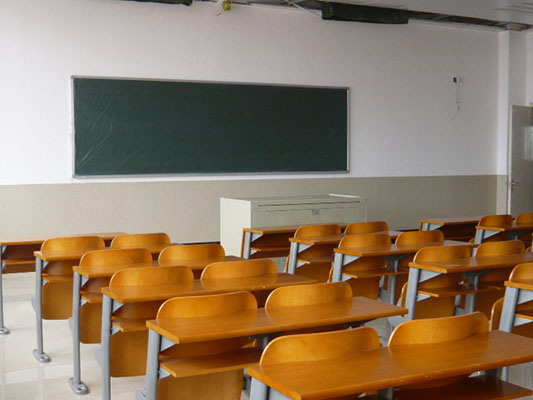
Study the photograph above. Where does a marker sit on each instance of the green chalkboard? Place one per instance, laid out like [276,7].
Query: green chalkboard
[132,127]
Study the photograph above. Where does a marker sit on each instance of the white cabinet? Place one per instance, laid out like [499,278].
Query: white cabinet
[236,214]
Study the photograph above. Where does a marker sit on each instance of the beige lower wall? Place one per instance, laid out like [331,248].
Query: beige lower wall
[501,197]
[189,211]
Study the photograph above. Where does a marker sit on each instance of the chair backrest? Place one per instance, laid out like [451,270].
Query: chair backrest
[140,240]
[420,237]
[207,306]
[317,230]
[442,253]
[366,227]
[502,248]
[525,218]
[239,269]
[304,295]
[73,243]
[439,330]
[320,346]
[496,314]
[151,276]
[522,272]
[365,240]
[496,220]
[137,257]
[190,252]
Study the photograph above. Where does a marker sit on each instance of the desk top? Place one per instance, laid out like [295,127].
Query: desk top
[41,239]
[106,271]
[137,294]
[507,228]
[333,239]
[262,321]
[393,249]
[289,229]
[452,220]
[474,263]
[394,366]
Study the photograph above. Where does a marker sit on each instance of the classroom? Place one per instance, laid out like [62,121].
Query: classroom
[428,121]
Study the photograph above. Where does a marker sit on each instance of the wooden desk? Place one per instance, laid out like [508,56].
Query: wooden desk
[472,267]
[16,255]
[513,230]
[260,322]
[390,366]
[42,259]
[83,274]
[270,241]
[394,254]
[113,300]
[298,245]
[455,228]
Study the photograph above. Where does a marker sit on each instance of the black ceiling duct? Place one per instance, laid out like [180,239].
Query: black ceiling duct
[351,12]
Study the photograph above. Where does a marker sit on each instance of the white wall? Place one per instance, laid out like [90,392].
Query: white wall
[402,106]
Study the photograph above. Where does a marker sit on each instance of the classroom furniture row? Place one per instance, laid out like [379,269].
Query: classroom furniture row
[204,322]
[429,358]
[275,241]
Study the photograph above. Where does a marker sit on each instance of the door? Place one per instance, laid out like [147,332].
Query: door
[520,170]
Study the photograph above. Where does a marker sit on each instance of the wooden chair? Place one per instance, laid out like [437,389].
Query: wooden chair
[223,361]
[91,310]
[320,347]
[155,242]
[495,279]
[309,295]
[242,269]
[171,254]
[58,275]
[525,218]
[522,274]
[129,345]
[366,227]
[496,220]
[442,289]
[316,259]
[366,272]
[413,238]
[448,329]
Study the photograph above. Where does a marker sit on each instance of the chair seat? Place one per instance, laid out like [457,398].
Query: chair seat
[194,366]
[130,324]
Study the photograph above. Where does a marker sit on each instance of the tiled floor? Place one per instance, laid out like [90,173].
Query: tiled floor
[22,378]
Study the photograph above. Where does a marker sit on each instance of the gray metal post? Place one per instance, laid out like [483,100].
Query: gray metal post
[412,293]
[152,369]
[259,390]
[77,386]
[293,257]
[39,353]
[509,308]
[479,236]
[107,308]
[337,267]
[470,301]
[3,328]
[247,245]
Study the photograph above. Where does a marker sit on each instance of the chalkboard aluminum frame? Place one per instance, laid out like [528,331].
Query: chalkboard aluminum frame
[199,174]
